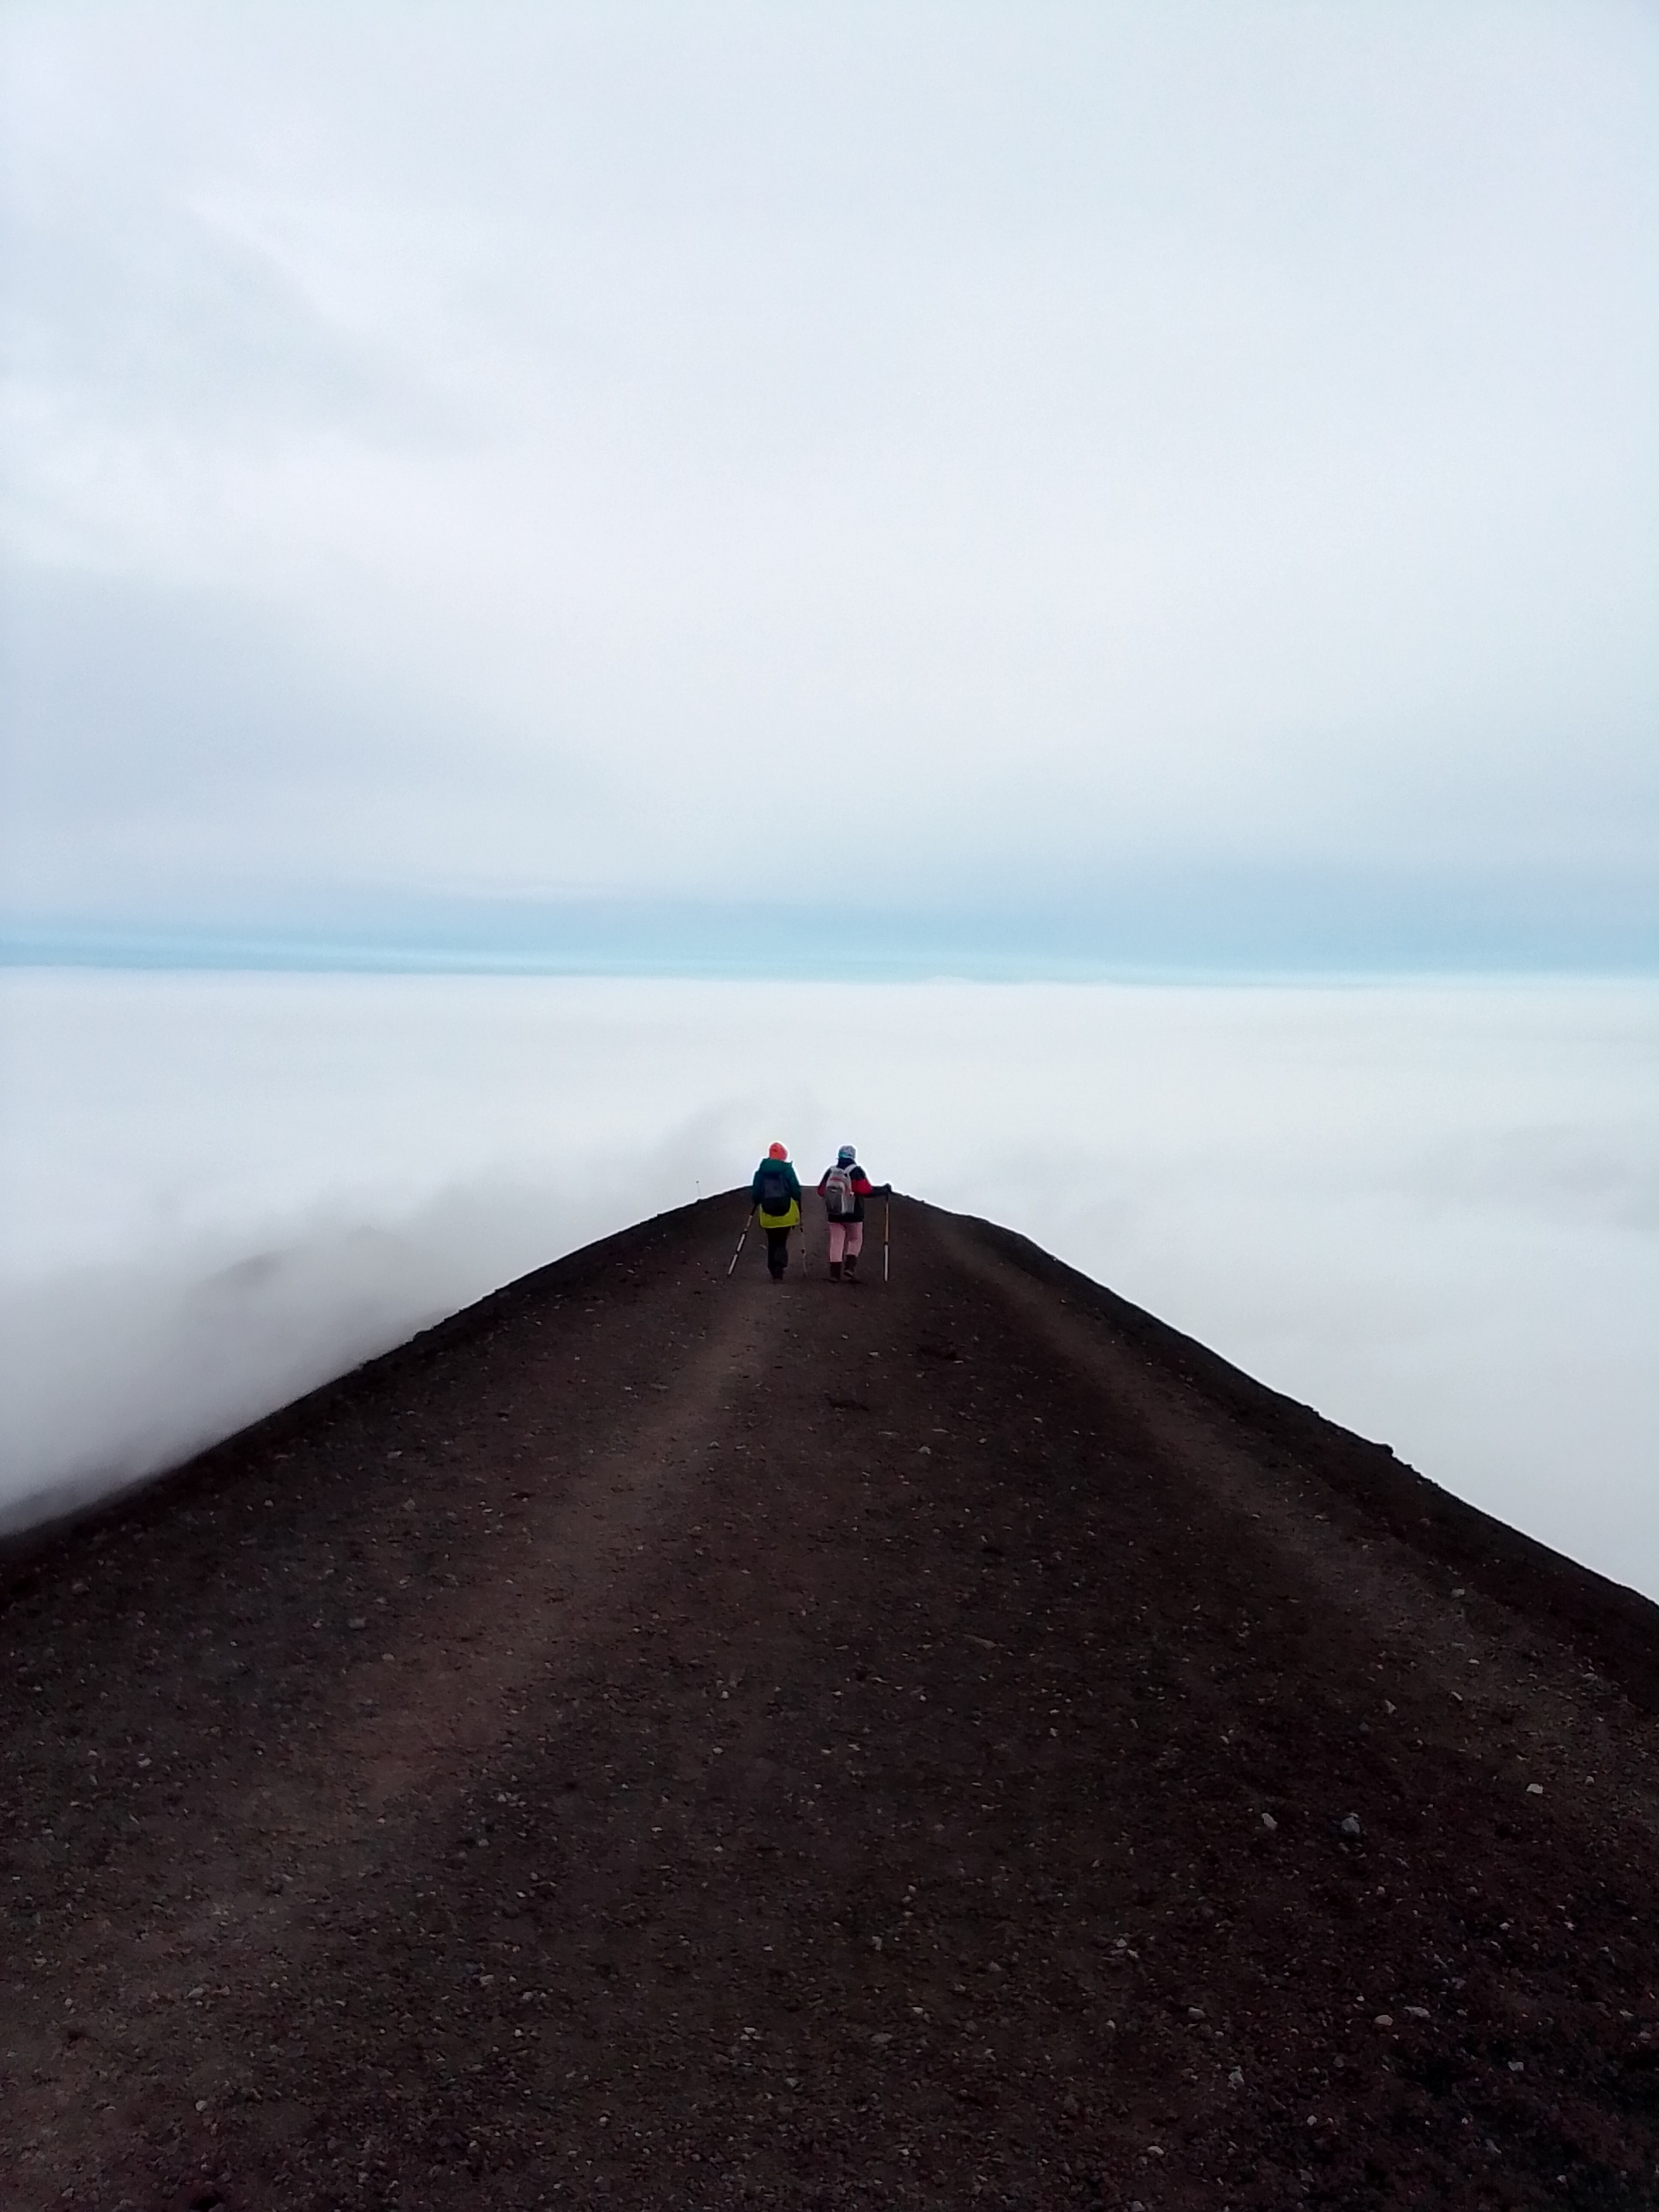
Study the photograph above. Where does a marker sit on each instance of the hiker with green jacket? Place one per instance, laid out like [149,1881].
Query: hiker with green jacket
[776,1193]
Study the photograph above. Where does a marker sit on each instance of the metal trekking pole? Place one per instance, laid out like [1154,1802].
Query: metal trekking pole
[737,1254]
[886,1234]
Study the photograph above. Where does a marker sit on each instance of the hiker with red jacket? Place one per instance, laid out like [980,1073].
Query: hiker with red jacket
[844,1189]
[775,1191]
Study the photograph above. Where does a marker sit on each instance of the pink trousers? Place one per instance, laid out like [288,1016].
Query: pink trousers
[846,1240]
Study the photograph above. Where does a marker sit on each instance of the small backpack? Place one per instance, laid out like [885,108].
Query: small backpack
[774,1190]
[838,1196]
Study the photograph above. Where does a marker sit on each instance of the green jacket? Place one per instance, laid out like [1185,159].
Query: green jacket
[791,1215]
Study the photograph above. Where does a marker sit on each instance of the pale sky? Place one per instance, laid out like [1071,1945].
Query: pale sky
[1111,476]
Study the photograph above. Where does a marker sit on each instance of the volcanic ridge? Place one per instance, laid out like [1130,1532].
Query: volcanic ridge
[672,1741]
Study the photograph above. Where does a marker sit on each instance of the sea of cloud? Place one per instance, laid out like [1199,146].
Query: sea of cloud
[1431,1210]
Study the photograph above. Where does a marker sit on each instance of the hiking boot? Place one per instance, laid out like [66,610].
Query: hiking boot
[851,1268]
[834,1271]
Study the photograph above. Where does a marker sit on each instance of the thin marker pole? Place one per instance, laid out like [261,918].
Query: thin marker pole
[886,1235]
[737,1254]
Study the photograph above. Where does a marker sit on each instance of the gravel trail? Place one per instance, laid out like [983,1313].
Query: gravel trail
[667,1742]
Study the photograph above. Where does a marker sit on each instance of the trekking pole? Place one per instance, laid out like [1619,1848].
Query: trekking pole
[737,1254]
[886,1234]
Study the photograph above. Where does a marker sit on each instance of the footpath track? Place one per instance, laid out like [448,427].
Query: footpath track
[668,1742]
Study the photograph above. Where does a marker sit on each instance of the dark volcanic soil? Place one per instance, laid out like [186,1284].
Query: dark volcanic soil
[661,1742]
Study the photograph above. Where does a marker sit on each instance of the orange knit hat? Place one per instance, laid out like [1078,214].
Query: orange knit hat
[777,1152]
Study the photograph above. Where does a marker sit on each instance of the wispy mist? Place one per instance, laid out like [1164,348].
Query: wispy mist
[114,1371]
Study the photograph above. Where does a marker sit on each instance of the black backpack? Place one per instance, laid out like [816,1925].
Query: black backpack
[775,1193]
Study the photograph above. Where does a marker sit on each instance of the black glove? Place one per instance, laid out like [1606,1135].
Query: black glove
[883,1190]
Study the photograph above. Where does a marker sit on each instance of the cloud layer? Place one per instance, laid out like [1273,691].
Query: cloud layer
[1431,1213]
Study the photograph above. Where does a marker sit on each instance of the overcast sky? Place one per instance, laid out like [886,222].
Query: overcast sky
[1104,461]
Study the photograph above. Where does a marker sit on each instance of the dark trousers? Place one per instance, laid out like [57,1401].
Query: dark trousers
[777,1249]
